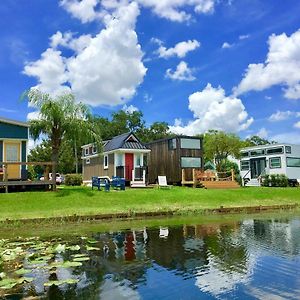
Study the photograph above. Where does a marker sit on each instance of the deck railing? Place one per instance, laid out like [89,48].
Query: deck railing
[22,180]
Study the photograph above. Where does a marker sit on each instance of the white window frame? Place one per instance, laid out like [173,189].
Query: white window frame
[86,151]
[87,161]
[94,149]
[105,166]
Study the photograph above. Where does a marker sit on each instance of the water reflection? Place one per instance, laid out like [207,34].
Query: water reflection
[247,259]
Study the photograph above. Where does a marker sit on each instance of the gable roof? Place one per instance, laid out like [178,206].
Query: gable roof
[13,122]
[121,142]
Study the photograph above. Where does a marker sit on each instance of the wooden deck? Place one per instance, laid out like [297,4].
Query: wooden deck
[220,184]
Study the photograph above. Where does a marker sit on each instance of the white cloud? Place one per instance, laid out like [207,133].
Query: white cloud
[282,115]
[268,97]
[34,115]
[147,98]
[84,10]
[105,71]
[68,40]
[213,110]
[297,125]
[182,73]
[287,137]
[90,10]
[227,45]
[281,67]
[129,109]
[50,70]
[244,37]
[263,133]
[180,50]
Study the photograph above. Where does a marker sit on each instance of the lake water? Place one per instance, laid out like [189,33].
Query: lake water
[248,258]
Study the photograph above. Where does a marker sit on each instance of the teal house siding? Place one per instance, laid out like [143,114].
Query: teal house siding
[1,151]
[24,153]
[12,131]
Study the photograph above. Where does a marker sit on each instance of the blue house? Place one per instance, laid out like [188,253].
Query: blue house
[13,145]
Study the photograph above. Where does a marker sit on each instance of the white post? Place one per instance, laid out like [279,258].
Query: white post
[133,177]
[144,176]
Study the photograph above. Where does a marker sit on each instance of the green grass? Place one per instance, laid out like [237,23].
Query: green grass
[84,201]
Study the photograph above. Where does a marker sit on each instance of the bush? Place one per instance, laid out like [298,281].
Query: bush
[73,179]
[275,180]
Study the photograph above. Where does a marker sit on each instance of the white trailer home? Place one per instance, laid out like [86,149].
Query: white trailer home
[269,159]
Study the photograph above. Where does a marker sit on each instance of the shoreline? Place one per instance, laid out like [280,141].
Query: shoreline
[131,215]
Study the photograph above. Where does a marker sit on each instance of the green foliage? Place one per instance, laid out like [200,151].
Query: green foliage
[73,179]
[275,180]
[218,145]
[255,140]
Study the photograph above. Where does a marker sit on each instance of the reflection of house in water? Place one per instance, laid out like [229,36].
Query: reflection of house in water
[273,235]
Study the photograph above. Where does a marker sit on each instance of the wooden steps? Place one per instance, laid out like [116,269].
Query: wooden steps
[220,184]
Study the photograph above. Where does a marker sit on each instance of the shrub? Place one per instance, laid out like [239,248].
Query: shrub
[275,180]
[73,179]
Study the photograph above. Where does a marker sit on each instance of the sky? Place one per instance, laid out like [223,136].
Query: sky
[231,65]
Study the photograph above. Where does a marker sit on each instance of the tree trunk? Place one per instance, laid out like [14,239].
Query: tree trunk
[76,157]
[55,155]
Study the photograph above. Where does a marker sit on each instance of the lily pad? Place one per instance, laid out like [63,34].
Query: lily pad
[60,248]
[92,248]
[61,282]
[66,264]
[8,283]
[22,271]
[92,241]
[78,255]
[81,259]
[74,248]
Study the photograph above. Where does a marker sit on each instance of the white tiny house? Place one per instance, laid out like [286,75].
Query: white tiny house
[270,159]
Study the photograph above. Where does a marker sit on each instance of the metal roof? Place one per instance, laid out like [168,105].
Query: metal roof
[120,142]
[13,122]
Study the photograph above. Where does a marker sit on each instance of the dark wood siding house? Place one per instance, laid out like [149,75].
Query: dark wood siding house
[122,156]
[13,146]
[169,156]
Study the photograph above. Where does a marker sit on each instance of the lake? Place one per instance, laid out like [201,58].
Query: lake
[243,257]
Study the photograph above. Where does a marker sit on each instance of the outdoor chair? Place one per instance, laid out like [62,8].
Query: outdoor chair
[100,182]
[118,183]
[162,182]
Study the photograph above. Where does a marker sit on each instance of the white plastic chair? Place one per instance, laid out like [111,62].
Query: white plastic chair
[162,182]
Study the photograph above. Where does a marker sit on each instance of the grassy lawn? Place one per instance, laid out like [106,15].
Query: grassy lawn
[84,201]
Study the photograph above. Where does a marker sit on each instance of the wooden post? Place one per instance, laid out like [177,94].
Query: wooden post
[232,175]
[5,177]
[194,179]
[182,176]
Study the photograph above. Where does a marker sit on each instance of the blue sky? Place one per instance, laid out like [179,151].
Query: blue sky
[196,64]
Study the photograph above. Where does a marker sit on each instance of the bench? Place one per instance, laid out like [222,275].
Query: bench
[118,183]
[100,183]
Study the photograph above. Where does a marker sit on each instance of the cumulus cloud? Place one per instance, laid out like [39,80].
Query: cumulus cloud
[297,125]
[263,133]
[212,109]
[182,73]
[105,70]
[180,50]
[244,37]
[286,137]
[226,45]
[282,115]
[281,67]
[50,70]
[130,108]
[90,10]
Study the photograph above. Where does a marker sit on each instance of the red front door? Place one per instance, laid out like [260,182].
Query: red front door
[128,166]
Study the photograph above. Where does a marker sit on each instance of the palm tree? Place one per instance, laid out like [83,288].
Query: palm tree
[59,118]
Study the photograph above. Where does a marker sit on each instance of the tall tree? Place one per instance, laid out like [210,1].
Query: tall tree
[158,130]
[255,140]
[60,118]
[218,146]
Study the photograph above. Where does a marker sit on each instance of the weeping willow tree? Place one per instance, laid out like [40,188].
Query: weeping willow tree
[61,118]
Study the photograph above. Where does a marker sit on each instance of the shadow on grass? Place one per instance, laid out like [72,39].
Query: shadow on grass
[67,192]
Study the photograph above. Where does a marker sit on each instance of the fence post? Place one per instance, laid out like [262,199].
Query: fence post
[5,177]
[232,175]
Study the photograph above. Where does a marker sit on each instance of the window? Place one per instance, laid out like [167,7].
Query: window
[245,154]
[138,160]
[12,153]
[172,144]
[94,149]
[293,162]
[288,149]
[191,162]
[245,165]
[119,159]
[86,151]
[88,161]
[190,144]
[257,152]
[105,161]
[277,150]
[275,163]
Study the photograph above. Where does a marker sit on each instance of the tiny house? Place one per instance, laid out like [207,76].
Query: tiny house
[270,159]
[123,156]
[13,146]
[168,157]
